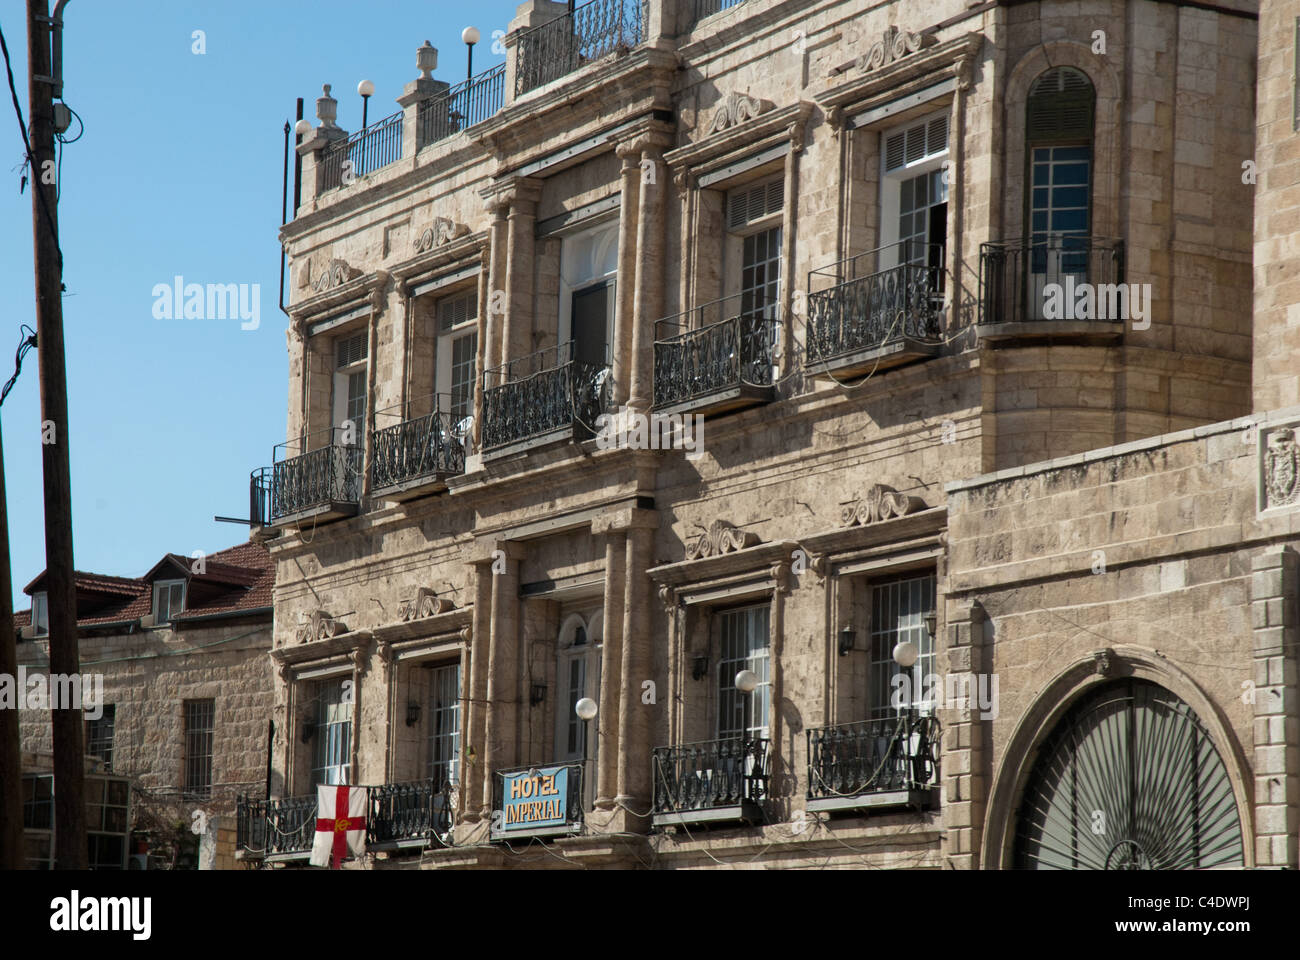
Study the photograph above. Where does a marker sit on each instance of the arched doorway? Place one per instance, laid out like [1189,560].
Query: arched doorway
[1128,779]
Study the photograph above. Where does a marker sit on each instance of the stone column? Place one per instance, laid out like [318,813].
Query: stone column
[472,802]
[776,648]
[964,783]
[503,655]
[634,746]
[648,303]
[611,660]
[789,222]
[624,314]
[1273,598]
[517,331]
[494,306]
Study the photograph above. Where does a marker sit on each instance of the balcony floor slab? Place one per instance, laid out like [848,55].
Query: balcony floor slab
[721,401]
[1085,331]
[859,363]
[748,812]
[916,799]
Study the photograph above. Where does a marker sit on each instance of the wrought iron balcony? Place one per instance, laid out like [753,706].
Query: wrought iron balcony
[415,456]
[1033,282]
[716,357]
[546,396]
[413,814]
[321,484]
[573,40]
[713,780]
[876,310]
[875,763]
[706,8]
[467,103]
[275,829]
[538,801]
[367,150]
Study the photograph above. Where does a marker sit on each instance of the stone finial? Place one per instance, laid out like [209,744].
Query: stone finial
[426,60]
[327,108]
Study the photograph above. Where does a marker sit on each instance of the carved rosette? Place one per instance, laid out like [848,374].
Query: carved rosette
[879,503]
[440,233]
[337,273]
[319,626]
[1281,469]
[721,537]
[893,45]
[425,604]
[735,109]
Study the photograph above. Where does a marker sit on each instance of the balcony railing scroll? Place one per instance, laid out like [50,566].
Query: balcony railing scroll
[328,472]
[559,388]
[467,103]
[265,828]
[425,446]
[710,775]
[1016,276]
[876,298]
[874,756]
[563,45]
[366,150]
[720,345]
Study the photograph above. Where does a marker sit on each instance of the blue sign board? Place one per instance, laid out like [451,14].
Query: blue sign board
[535,798]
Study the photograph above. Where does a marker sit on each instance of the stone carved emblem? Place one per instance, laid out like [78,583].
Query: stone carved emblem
[721,537]
[1280,469]
[1104,662]
[735,109]
[335,275]
[426,604]
[893,45]
[879,503]
[443,231]
[319,626]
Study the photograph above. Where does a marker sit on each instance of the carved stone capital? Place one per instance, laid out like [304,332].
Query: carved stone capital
[720,537]
[893,45]
[781,575]
[735,109]
[879,503]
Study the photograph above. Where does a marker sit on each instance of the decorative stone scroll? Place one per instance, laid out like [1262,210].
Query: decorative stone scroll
[335,275]
[735,109]
[319,626]
[893,45]
[442,232]
[1279,469]
[721,537]
[879,503]
[426,604]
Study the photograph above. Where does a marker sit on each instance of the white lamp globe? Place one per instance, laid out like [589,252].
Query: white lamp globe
[905,653]
[469,35]
[746,681]
[303,127]
[365,88]
[585,709]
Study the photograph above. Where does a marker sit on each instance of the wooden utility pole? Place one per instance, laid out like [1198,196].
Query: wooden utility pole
[11,804]
[69,760]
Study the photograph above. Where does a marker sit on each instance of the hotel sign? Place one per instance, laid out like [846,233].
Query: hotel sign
[535,798]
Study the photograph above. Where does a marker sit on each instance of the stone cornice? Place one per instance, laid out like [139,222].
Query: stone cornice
[352,293]
[718,149]
[440,626]
[467,247]
[707,570]
[899,78]
[835,544]
[299,654]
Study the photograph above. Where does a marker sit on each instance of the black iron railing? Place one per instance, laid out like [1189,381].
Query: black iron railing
[428,446]
[553,389]
[710,774]
[1031,280]
[364,152]
[266,828]
[407,811]
[874,756]
[707,8]
[876,298]
[573,795]
[594,29]
[329,474]
[467,103]
[259,497]
[717,346]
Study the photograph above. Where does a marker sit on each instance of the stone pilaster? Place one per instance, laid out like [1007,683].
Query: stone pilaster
[517,330]
[625,315]
[611,660]
[962,763]
[475,712]
[648,306]
[494,306]
[1273,598]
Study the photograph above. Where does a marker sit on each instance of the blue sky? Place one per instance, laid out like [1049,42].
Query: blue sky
[179,172]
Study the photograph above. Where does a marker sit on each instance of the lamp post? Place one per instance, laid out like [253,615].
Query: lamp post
[366,89]
[469,36]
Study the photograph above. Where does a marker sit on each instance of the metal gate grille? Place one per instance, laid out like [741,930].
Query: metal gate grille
[1128,780]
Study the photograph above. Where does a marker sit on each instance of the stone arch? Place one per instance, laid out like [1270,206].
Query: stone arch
[1051,704]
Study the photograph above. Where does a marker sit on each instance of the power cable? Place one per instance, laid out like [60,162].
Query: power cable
[24,344]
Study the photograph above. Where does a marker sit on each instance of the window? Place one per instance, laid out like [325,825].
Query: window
[588,276]
[106,823]
[754,250]
[350,382]
[458,352]
[168,600]
[99,736]
[898,609]
[199,722]
[444,726]
[744,646]
[578,676]
[333,757]
[914,196]
[40,614]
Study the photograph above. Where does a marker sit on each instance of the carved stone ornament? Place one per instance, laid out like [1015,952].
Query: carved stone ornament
[1105,662]
[668,597]
[442,232]
[319,626]
[879,503]
[721,537]
[735,109]
[426,604]
[1281,469]
[894,45]
[335,275]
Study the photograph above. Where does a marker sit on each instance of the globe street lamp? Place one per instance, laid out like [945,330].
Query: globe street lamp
[366,89]
[469,36]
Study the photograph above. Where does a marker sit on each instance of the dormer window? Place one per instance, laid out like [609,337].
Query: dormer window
[40,615]
[168,600]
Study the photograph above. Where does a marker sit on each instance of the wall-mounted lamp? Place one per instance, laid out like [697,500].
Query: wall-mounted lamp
[930,620]
[847,638]
[412,713]
[536,694]
[699,668]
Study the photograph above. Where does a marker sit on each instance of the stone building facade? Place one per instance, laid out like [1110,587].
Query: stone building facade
[176,672]
[730,366]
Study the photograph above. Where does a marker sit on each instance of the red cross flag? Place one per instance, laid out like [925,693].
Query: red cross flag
[340,825]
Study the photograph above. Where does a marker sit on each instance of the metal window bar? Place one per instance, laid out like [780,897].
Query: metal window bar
[573,40]
[1014,274]
[99,738]
[710,773]
[199,720]
[545,391]
[467,103]
[873,756]
[311,472]
[707,8]
[898,609]
[368,150]
[716,346]
[423,446]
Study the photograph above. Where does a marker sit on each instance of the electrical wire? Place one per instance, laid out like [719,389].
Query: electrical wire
[24,344]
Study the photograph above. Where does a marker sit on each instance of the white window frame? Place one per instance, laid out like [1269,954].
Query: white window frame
[40,614]
[341,379]
[733,252]
[445,345]
[882,641]
[756,658]
[891,183]
[346,714]
[607,244]
[451,738]
[167,585]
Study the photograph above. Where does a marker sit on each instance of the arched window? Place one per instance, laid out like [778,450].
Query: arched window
[577,676]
